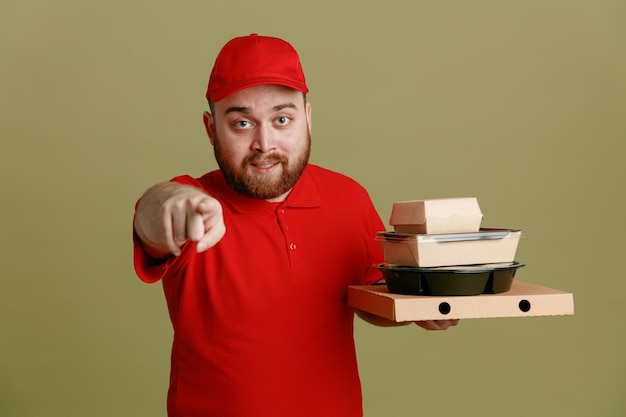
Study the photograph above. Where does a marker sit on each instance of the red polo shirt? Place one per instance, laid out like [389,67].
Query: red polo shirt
[261,323]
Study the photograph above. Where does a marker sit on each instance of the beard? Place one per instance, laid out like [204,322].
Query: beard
[262,186]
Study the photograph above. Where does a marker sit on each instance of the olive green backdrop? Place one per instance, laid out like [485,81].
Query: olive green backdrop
[520,104]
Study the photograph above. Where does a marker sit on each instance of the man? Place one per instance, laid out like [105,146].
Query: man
[256,257]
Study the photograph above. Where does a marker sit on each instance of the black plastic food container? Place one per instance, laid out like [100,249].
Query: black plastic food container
[462,280]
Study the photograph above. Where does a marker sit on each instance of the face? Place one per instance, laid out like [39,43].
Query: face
[261,138]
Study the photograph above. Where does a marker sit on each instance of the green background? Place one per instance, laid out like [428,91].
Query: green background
[520,104]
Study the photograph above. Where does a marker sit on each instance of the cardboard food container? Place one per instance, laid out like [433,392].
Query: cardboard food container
[430,250]
[453,280]
[522,300]
[444,215]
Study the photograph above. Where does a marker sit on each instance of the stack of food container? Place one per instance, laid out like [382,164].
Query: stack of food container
[439,248]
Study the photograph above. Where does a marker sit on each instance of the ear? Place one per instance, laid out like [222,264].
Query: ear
[209,125]
[308,115]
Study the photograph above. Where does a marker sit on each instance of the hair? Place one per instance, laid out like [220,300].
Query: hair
[212,107]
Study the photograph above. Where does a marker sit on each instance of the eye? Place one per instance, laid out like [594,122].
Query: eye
[282,121]
[243,124]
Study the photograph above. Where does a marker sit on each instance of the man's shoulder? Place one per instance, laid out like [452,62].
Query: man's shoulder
[204,181]
[325,174]
[333,181]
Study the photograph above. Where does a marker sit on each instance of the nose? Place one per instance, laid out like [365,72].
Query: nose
[264,140]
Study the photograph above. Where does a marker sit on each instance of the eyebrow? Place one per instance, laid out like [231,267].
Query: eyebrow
[285,106]
[237,110]
[246,110]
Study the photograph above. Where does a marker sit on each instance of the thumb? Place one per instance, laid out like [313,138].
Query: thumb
[208,207]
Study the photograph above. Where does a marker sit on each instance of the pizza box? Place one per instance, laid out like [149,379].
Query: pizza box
[522,300]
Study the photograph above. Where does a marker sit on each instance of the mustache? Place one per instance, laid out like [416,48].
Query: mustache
[261,159]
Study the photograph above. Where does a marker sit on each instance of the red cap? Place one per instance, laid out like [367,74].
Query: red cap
[253,60]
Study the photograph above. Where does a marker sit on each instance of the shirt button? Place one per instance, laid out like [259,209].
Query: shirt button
[281,211]
[292,246]
[286,227]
